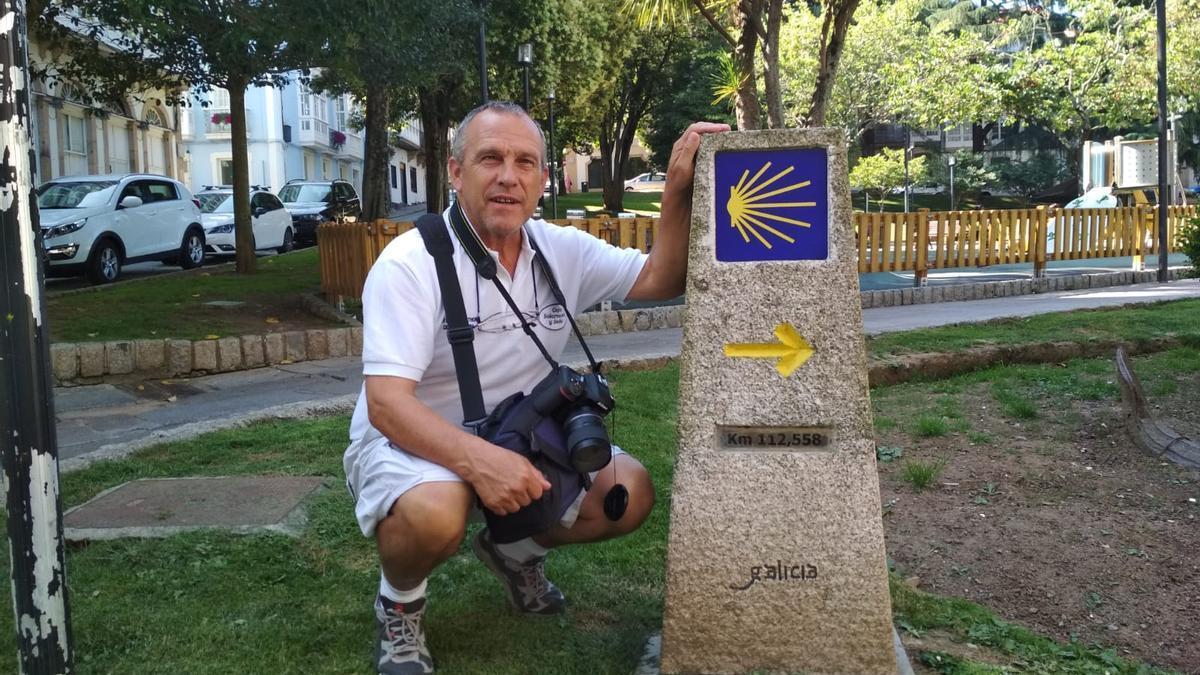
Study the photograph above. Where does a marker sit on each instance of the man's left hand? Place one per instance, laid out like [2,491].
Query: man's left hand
[681,170]
[663,274]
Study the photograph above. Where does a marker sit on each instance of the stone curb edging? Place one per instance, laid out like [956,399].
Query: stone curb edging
[342,405]
[91,362]
[899,369]
[654,318]
[881,372]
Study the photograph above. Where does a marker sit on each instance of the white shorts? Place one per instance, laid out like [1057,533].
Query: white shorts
[378,473]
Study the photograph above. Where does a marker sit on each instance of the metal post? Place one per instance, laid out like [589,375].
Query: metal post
[1164,180]
[907,150]
[525,59]
[952,162]
[481,46]
[553,161]
[526,87]
[29,454]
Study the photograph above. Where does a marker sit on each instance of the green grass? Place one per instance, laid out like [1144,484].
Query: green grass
[921,474]
[1136,323]
[1013,404]
[641,203]
[918,613]
[929,426]
[271,602]
[173,306]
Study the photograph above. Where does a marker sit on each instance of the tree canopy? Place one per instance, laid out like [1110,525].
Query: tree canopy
[231,44]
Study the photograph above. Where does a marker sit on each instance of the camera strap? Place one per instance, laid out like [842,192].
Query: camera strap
[459,333]
[485,265]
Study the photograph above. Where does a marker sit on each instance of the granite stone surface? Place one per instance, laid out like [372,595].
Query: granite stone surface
[91,359]
[149,355]
[179,357]
[118,357]
[229,354]
[339,342]
[317,341]
[64,361]
[252,351]
[273,347]
[204,355]
[776,560]
[294,341]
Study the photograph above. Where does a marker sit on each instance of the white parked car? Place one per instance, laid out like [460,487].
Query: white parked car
[95,225]
[653,181]
[272,223]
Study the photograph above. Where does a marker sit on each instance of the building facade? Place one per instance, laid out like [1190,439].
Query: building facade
[406,170]
[74,135]
[295,133]
[291,133]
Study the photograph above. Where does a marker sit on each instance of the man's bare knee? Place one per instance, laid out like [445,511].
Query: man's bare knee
[641,499]
[428,522]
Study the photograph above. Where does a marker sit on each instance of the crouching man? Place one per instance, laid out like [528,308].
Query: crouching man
[415,472]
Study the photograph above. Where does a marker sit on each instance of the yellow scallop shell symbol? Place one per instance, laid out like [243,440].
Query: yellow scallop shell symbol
[748,209]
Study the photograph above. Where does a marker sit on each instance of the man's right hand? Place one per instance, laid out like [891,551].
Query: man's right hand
[504,480]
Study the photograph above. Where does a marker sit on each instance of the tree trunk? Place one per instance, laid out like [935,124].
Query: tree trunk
[771,65]
[243,226]
[747,109]
[611,176]
[833,43]
[434,109]
[376,194]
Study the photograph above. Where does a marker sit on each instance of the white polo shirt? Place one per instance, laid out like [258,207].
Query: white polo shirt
[404,321]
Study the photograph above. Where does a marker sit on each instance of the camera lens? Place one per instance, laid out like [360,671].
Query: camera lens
[587,440]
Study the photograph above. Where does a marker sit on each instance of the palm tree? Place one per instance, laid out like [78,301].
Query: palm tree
[751,27]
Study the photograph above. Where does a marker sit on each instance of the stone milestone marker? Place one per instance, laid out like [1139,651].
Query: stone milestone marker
[776,558]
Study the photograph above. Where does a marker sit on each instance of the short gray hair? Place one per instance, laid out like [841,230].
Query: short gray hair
[458,145]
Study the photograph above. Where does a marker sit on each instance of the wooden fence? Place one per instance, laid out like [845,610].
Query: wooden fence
[896,242]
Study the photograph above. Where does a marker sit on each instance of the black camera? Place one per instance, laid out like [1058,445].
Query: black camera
[579,402]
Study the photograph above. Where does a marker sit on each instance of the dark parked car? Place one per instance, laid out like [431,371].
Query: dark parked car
[312,202]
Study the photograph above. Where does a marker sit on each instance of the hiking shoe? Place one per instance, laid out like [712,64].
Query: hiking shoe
[401,649]
[528,589]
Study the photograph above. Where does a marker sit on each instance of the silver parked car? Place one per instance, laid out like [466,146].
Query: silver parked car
[95,225]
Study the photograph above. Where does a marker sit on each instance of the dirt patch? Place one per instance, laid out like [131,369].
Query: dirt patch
[1058,523]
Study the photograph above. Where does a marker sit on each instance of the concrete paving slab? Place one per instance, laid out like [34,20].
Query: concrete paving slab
[67,399]
[160,507]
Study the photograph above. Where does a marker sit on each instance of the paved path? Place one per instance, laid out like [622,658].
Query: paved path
[103,420]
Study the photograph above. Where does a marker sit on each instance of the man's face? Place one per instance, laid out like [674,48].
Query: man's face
[500,178]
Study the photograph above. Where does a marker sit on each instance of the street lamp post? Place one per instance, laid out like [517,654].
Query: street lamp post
[1164,180]
[951,160]
[907,152]
[525,59]
[553,160]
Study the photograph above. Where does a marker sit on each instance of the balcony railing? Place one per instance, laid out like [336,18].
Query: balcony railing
[220,123]
[351,146]
[314,132]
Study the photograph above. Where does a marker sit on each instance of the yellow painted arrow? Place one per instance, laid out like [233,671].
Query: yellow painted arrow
[792,350]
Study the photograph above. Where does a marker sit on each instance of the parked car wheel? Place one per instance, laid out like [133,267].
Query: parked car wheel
[288,241]
[104,267]
[191,252]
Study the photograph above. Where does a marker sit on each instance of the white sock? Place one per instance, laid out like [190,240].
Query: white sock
[522,551]
[396,595]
